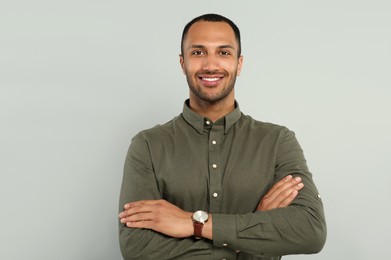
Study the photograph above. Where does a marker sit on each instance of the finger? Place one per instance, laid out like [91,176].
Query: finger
[135,204]
[140,224]
[286,197]
[143,202]
[284,187]
[284,192]
[136,209]
[286,202]
[138,217]
[135,216]
[279,184]
[280,194]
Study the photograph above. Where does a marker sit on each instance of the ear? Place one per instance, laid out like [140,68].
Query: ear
[182,62]
[240,64]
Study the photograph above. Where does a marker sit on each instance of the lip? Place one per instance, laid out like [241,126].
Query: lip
[210,80]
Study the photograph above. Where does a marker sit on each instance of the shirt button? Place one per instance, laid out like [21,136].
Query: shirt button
[207,122]
[213,142]
[215,194]
[214,166]
[225,244]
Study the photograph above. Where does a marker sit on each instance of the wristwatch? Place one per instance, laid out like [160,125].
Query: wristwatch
[199,219]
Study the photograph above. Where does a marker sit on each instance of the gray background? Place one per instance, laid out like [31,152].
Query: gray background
[79,78]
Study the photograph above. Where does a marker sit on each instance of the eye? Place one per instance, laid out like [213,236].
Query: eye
[197,53]
[225,53]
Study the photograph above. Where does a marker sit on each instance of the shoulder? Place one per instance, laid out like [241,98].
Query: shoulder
[261,126]
[159,131]
[265,132]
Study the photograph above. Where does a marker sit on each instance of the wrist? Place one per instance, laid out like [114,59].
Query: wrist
[207,231]
[199,218]
[202,225]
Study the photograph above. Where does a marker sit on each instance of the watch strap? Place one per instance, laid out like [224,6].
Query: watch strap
[198,229]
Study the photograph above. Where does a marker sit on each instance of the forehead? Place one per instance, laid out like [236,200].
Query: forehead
[210,33]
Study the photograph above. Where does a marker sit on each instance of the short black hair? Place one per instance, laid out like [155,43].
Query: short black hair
[213,18]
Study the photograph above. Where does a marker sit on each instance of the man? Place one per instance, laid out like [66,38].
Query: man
[214,183]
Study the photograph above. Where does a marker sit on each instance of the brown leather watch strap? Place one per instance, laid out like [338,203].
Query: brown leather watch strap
[198,229]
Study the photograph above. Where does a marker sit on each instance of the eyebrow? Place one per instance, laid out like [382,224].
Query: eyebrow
[226,46]
[199,46]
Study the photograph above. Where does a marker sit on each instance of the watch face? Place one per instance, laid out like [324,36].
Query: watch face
[200,216]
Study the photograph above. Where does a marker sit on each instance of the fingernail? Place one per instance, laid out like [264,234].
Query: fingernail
[288,177]
[297,179]
[301,185]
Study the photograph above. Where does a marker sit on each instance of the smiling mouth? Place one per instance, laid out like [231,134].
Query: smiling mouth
[210,79]
[210,82]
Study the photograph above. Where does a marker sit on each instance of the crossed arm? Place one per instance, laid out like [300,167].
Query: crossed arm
[287,220]
[168,219]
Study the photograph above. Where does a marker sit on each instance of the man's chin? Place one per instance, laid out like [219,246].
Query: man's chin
[212,99]
[210,95]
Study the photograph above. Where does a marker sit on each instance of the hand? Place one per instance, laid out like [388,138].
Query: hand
[281,194]
[158,215]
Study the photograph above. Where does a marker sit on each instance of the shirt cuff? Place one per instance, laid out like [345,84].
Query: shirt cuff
[224,230]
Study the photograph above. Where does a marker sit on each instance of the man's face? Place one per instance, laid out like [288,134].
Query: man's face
[210,61]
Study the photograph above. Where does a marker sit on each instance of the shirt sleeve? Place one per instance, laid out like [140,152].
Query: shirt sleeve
[297,229]
[139,183]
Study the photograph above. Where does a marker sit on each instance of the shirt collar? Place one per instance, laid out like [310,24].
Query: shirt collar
[198,122]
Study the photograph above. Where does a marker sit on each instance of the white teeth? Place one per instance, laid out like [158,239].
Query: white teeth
[210,79]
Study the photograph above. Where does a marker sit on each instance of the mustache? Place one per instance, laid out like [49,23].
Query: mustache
[211,72]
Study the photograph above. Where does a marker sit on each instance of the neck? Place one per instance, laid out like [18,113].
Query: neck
[215,110]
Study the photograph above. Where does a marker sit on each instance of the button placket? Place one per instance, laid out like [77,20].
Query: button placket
[215,173]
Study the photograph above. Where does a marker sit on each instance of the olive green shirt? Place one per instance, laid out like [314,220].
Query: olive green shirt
[224,168]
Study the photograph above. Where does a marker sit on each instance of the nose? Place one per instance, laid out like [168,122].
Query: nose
[211,63]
